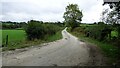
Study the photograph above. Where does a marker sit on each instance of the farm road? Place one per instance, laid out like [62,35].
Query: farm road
[68,51]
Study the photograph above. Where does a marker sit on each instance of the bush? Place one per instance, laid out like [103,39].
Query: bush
[37,30]
[34,30]
[100,32]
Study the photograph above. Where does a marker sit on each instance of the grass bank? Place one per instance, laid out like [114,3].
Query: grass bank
[110,51]
[57,36]
[17,39]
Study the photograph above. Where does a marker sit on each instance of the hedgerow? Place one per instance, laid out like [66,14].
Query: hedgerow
[38,30]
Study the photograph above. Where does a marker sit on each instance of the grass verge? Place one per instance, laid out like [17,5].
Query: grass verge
[57,36]
[110,51]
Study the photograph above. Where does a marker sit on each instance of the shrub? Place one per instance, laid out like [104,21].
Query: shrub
[37,30]
[34,30]
[100,32]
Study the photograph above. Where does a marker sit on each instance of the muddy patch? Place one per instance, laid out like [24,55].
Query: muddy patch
[96,56]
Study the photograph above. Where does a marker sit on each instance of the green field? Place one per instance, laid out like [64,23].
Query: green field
[17,39]
[13,36]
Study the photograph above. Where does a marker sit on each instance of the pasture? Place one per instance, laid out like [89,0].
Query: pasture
[17,39]
[14,36]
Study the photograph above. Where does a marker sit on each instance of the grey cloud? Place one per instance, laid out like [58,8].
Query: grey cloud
[46,10]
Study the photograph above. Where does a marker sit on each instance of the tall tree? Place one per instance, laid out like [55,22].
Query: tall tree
[113,17]
[73,16]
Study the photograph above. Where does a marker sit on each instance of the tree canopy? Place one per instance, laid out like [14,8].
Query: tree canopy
[73,16]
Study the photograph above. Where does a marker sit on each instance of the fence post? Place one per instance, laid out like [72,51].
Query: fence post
[6,40]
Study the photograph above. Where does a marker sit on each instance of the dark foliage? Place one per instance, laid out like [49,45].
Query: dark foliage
[73,16]
[40,30]
[13,25]
[99,32]
[34,30]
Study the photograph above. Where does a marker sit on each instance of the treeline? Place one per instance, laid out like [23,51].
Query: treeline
[13,25]
[40,30]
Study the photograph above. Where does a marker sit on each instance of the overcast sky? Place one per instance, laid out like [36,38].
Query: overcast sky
[48,10]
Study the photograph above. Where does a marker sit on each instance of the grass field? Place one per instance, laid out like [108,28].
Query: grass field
[17,39]
[13,36]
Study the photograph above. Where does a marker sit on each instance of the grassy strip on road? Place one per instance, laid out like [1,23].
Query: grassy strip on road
[110,51]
